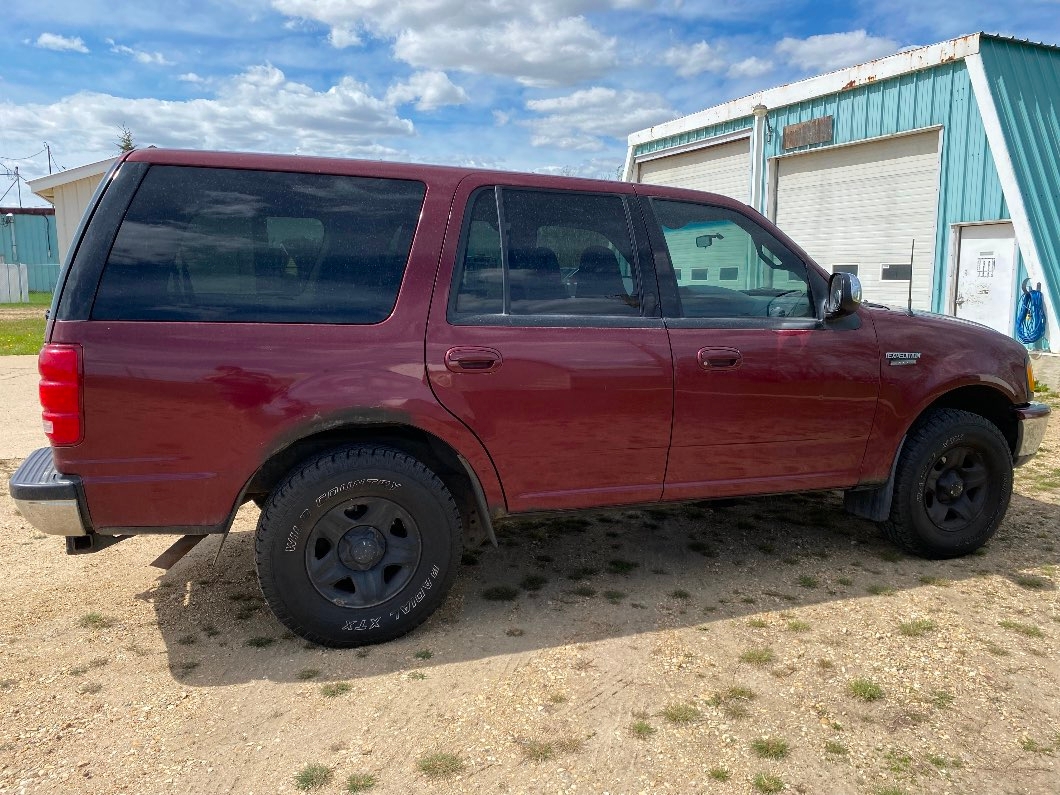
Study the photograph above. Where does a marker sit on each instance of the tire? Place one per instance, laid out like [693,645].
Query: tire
[952,485]
[357,546]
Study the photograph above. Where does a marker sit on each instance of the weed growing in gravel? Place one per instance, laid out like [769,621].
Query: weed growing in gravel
[417,676]
[763,782]
[96,620]
[835,747]
[584,590]
[798,626]
[770,747]
[938,582]
[514,632]
[557,698]
[681,713]
[757,623]
[641,729]
[360,782]
[996,650]
[809,581]
[533,582]
[619,566]
[844,581]
[78,670]
[440,765]
[1031,582]
[733,701]
[891,790]
[916,627]
[333,689]
[758,656]
[540,751]
[943,762]
[719,774]
[1029,630]
[614,597]
[825,664]
[865,689]
[308,673]
[500,593]
[90,688]
[259,641]
[898,761]
[880,590]
[680,593]
[313,776]
[423,654]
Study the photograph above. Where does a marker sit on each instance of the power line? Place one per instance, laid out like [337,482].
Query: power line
[3,157]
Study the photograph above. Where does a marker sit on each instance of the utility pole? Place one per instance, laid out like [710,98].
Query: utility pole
[18,182]
[48,149]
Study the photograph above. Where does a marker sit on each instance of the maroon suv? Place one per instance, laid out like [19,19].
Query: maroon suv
[388,357]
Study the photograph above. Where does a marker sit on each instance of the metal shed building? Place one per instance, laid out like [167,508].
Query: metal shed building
[934,174]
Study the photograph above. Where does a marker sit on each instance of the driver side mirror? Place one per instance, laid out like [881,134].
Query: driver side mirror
[844,295]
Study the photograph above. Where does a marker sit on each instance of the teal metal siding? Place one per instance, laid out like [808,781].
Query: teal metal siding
[969,187]
[702,134]
[38,248]
[1025,83]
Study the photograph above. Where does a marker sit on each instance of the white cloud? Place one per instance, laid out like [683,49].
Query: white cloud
[53,41]
[429,90]
[140,56]
[690,60]
[581,120]
[258,110]
[191,77]
[544,43]
[831,51]
[750,67]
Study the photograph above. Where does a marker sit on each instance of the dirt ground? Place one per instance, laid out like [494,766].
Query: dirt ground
[771,644]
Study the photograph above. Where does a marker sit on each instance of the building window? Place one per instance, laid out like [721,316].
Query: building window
[897,273]
[850,268]
[700,274]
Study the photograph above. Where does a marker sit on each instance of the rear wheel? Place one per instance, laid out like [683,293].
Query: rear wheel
[357,546]
[952,485]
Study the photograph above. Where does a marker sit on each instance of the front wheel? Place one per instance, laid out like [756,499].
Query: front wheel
[357,546]
[952,485]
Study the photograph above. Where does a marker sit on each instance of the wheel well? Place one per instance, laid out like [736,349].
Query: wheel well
[985,401]
[432,451]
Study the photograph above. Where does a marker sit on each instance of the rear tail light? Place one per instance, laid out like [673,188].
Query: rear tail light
[60,393]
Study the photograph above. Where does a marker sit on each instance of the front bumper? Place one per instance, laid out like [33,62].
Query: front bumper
[50,501]
[1031,422]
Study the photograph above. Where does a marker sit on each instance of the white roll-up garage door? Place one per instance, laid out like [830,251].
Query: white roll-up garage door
[722,168]
[863,205]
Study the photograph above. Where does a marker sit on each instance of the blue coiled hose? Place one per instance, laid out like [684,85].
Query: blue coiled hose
[1030,317]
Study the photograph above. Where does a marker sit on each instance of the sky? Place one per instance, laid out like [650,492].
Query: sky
[550,86]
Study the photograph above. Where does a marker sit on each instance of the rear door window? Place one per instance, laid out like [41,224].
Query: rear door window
[213,244]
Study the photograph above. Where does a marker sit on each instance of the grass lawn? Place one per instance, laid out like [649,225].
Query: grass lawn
[22,325]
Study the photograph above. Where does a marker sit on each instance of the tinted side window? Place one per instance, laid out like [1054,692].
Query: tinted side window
[560,254]
[728,266]
[207,244]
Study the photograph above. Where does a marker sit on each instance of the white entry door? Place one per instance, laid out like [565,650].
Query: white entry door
[986,276]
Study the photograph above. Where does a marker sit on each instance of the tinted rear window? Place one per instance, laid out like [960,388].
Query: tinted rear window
[210,244]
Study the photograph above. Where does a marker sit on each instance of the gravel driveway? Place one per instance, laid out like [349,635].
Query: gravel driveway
[770,645]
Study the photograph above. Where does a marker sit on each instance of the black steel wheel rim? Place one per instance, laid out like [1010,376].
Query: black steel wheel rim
[363,552]
[955,492]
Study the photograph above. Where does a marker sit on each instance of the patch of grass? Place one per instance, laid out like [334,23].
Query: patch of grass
[417,676]
[1028,630]
[681,713]
[614,597]
[758,656]
[641,729]
[1031,582]
[210,631]
[865,689]
[916,627]
[770,747]
[500,593]
[996,650]
[943,762]
[825,664]
[763,782]
[584,590]
[719,774]
[259,641]
[21,336]
[942,699]
[533,582]
[557,698]
[333,689]
[798,626]
[938,582]
[78,670]
[809,581]
[423,654]
[680,593]
[835,747]
[313,776]
[308,673]
[90,688]
[898,761]
[440,765]
[96,620]
[890,790]
[757,623]
[360,782]
[619,566]
[847,581]
[880,590]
